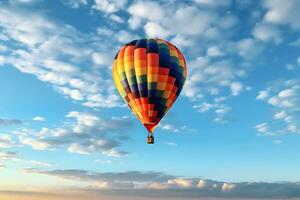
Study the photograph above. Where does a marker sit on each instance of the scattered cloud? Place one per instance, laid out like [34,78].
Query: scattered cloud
[249,48]
[171,144]
[39,118]
[109,6]
[84,133]
[282,14]
[6,141]
[213,3]
[41,40]
[214,51]
[175,129]
[284,98]
[75,3]
[267,33]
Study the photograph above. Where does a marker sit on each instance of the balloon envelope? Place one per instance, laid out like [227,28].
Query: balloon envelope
[149,75]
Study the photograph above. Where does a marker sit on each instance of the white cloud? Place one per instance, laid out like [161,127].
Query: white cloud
[75,3]
[284,98]
[209,81]
[283,13]
[180,182]
[101,59]
[125,36]
[28,31]
[249,48]
[6,141]
[287,93]
[92,146]
[202,184]
[109,6]
[37,163]
[83,133]
[213,3]
[214,51]
[39,144]
[262,128]
[41,56]
[236,88]
[116,18]
[267,32]
[262,95]
[171,144]
[199,22]
[175,129]
[146,9]
[39,118]
[204,107]
[135,22]
[144,183]
[154,30]
[280,115]
[24,1]
[226,187]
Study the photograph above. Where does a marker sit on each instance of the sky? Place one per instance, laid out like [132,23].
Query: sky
[65,132]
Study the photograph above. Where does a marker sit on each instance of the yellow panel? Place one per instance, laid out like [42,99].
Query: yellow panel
[152,78]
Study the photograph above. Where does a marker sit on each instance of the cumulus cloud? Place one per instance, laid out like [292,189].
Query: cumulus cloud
[147,9]
[214,51]
[109,6]
[39,118]
[42,40]
[262,128]
[249,48]
[207,83]
[262,95]
[267,33]
[279,13]
[284,98]
[155,30]
[236,88]
[40,143]
[85,133]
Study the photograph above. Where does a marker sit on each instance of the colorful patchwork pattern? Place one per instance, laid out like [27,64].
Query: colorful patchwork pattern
[149,75]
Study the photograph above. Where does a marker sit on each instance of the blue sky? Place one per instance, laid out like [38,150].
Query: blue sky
[233,132]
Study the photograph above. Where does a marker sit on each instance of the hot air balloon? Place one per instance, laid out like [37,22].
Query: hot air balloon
[149,75]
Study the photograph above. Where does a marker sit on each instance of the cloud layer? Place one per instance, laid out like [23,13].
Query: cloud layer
[157,184]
